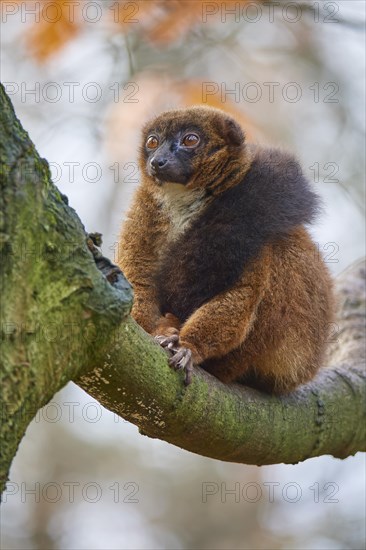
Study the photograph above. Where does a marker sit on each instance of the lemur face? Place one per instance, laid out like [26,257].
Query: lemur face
[189,146]
[170,152]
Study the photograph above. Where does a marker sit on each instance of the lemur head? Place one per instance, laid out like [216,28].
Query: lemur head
[198,147]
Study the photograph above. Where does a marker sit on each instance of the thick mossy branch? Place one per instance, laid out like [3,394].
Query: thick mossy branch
[56,305]
[235,423]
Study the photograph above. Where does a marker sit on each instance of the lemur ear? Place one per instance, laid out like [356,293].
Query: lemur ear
[233,132]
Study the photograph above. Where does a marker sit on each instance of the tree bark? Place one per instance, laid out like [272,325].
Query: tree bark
[62,320]
[57,308]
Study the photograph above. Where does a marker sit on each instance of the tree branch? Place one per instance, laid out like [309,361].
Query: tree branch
[62,319]
[236,423]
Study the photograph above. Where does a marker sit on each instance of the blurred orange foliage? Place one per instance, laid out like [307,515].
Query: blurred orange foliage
[55,23]
[53,31]
[161,21]
[166,21]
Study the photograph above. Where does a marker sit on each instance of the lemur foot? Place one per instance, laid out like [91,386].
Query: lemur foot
[182,359]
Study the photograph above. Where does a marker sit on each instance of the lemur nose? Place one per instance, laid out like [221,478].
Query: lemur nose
[158,162]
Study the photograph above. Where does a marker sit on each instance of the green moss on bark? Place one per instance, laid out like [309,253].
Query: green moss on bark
[231,423]
[56,307]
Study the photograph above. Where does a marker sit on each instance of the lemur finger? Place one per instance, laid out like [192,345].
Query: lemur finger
[181,359]
[167,341]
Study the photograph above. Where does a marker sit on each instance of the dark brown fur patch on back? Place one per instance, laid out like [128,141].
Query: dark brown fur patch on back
[273,198]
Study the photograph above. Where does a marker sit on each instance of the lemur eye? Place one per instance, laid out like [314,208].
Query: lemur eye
[190,140]
[152,142]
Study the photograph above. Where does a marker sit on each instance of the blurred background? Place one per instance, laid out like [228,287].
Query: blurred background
[84,77]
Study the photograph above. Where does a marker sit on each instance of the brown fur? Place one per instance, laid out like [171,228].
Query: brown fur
[269,329]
